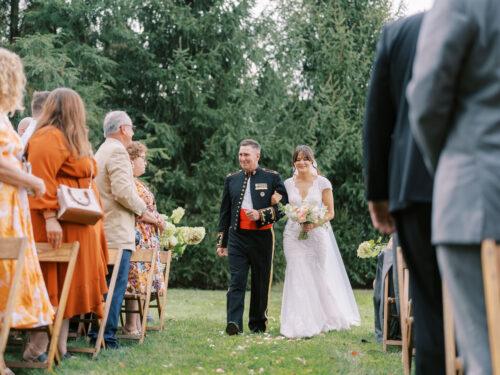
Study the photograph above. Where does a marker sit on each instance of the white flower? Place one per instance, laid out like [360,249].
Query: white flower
[172,241]
[169,229]
[177,215]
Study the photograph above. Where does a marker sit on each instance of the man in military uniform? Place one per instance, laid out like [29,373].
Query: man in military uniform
[246,236]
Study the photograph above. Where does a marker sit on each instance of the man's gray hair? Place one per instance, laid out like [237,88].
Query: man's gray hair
[114,120]
[250,142]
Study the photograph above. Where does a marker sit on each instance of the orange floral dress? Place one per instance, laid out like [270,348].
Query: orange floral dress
[138,274]
[52,161]
[33,307]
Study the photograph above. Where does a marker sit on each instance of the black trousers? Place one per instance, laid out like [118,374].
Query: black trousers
[250,249]
[414,232]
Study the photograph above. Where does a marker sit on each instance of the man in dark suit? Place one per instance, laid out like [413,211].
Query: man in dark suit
[455,118]
[246,236]
[399,187]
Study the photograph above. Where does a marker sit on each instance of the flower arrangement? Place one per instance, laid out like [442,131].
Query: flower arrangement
[178,238]
[304,214]
[371,248]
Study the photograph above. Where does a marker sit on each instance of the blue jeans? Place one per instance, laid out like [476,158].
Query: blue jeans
[116,302]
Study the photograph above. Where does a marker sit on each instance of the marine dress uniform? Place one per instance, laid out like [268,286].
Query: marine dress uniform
[250,244]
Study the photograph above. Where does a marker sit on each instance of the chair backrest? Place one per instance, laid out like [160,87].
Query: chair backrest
[490,258]
[64,254]
[165,256]
[146,256]
[10,249]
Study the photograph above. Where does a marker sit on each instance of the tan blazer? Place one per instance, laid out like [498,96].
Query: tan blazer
[120,199]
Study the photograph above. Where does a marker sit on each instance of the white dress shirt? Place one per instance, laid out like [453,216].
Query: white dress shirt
[247,198]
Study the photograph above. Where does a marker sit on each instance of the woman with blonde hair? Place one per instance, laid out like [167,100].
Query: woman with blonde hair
[60,153]
[33,307]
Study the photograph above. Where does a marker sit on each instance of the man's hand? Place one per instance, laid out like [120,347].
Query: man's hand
[222,251]
[253,215]
[381,217]
[148,217]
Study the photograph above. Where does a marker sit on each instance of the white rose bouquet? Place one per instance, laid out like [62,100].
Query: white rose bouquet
[178,238]
[304,214]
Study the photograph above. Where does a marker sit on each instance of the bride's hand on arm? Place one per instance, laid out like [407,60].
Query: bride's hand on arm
[276,198]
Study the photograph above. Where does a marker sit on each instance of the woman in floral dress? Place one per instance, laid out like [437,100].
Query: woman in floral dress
[149,240]
[32,307]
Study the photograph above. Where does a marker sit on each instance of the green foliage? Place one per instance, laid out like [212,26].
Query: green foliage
[197,77]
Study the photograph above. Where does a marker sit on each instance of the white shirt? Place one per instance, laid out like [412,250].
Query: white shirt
[247,198]
[28,132]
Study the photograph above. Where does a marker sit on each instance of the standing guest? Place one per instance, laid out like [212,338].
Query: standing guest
[399,187]
[246,236]
[60,153]
[27,125]
[122,204]
[149,240]
[33,307]
[455,118]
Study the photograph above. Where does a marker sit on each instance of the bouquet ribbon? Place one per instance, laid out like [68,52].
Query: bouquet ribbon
[246,223]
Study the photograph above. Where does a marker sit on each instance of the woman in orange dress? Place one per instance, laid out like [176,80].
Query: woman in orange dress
[32,307]
[60,153]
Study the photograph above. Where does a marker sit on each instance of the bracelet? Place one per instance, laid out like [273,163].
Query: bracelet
[49,215]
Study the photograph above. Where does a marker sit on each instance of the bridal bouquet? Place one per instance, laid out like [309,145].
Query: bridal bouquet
[178,238]
[304,214]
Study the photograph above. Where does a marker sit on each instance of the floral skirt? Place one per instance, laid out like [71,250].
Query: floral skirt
[138,277]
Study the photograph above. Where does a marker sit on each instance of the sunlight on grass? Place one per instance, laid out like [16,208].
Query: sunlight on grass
[194,343]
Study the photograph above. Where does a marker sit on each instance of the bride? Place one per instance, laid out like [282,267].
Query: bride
[317,296]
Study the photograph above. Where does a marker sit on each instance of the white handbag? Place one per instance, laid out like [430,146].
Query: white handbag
[78,205]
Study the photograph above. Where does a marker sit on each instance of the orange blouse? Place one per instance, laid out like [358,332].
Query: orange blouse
[52,161]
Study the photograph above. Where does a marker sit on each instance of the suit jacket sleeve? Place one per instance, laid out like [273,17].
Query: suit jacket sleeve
[224,216]
[380,117]
[446,36]
[121,178]
[272,214]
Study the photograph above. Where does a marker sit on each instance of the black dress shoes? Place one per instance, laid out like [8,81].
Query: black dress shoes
[232,329]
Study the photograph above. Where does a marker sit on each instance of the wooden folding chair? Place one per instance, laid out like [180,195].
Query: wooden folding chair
[388,302]
[406,311]
[143,300]
[67,253]
[490,258]
[454,365]
[114,259]
[157,301]
[11,249]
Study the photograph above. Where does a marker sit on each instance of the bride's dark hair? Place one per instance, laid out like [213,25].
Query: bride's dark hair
[307,154]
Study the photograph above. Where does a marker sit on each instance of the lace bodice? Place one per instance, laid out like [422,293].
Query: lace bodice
[314,195]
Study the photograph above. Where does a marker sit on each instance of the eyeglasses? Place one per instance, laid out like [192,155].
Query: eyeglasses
[131,126]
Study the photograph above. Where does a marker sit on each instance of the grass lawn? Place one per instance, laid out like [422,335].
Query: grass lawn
[194,343]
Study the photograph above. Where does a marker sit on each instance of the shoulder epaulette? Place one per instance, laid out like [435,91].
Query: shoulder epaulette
[269,170]
[233,173]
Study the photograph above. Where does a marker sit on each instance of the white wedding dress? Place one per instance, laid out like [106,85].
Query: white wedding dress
[317,296]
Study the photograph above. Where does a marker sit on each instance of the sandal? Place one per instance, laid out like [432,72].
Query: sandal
[134,332]
[42,358]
